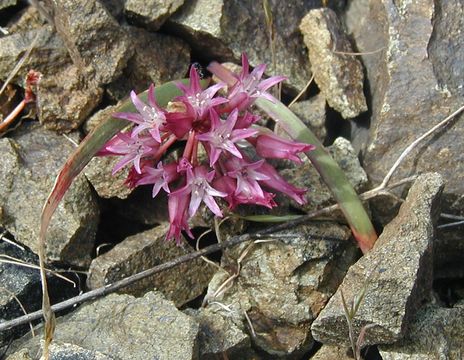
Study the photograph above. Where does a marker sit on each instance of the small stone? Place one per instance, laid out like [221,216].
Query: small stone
[65,99]
[395,276]
[124,327]
[218,334]
[31,160]
[339,76]
[435,333]
[306,176]
[328,352]
[96,43]
[48,57]
[150,13]
[144,251]
[284,284]
[313,114]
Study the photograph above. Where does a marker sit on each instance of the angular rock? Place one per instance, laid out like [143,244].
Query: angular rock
[96,43]
[62,351]
[7,3]
[143,251]
[339,76]
[28,19]
[284,284]
[414,83]
[436,333]
[124,327]
[65,99]
[306,176]
[219,335]
[395,276]
[224,29]
[49,53]
[31,160]
[158,58]
[313,113]
[150,14]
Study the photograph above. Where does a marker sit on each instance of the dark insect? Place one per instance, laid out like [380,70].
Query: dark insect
[201,70]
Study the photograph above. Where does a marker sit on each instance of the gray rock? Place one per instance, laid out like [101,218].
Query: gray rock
[158,58]
[65,99]
[49,53]
[97,118]
[313,113]
[283,285]
[28,19]
[152,13]
[414,83]
[396,275]
[219,335]
[436,333]
[124,327]
[339,76]
[96,43]
[143,251]
[7,3]
[306,176]
[224,29]
[328,352]
[31,160]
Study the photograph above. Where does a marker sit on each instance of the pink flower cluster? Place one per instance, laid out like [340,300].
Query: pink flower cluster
[224,127]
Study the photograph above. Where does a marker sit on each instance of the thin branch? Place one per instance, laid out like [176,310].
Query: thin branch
[23,309]
[453,224]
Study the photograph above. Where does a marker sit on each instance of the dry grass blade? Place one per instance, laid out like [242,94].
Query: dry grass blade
[302,91]
[11,242]
[20,62]
[23,309]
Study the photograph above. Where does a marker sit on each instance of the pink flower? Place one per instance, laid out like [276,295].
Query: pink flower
[201,101]
[199,188]
[277,182]
[177,206]
[159,177]
[273,146]
[247,176]
[150,117]
[132,147]
[250,87]
[222,137]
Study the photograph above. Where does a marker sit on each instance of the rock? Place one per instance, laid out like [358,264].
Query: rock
[328,352]
[99,173]
[99,117]
[158,58]
[224,29]
[313,113]
[28,19]
[22,284]
[415,82]
[339,76]
[219,335]
[114,7]
[65,99]
[306,176]
[150,14]
[435,333]
[63,351]
[31,160]
[283,285]
[4,4]
[96,43]
[146,250]
[124,327]
[395,276]
[49,53]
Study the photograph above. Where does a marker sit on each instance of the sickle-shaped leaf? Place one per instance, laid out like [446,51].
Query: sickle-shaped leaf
[87,149]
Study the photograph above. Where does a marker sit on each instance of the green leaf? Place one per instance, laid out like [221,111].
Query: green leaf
[269,218]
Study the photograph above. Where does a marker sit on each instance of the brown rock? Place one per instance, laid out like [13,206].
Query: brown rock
[339,76]
[150,13]
[143,251]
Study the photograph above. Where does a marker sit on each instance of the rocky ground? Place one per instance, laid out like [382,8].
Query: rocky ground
[384,72]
